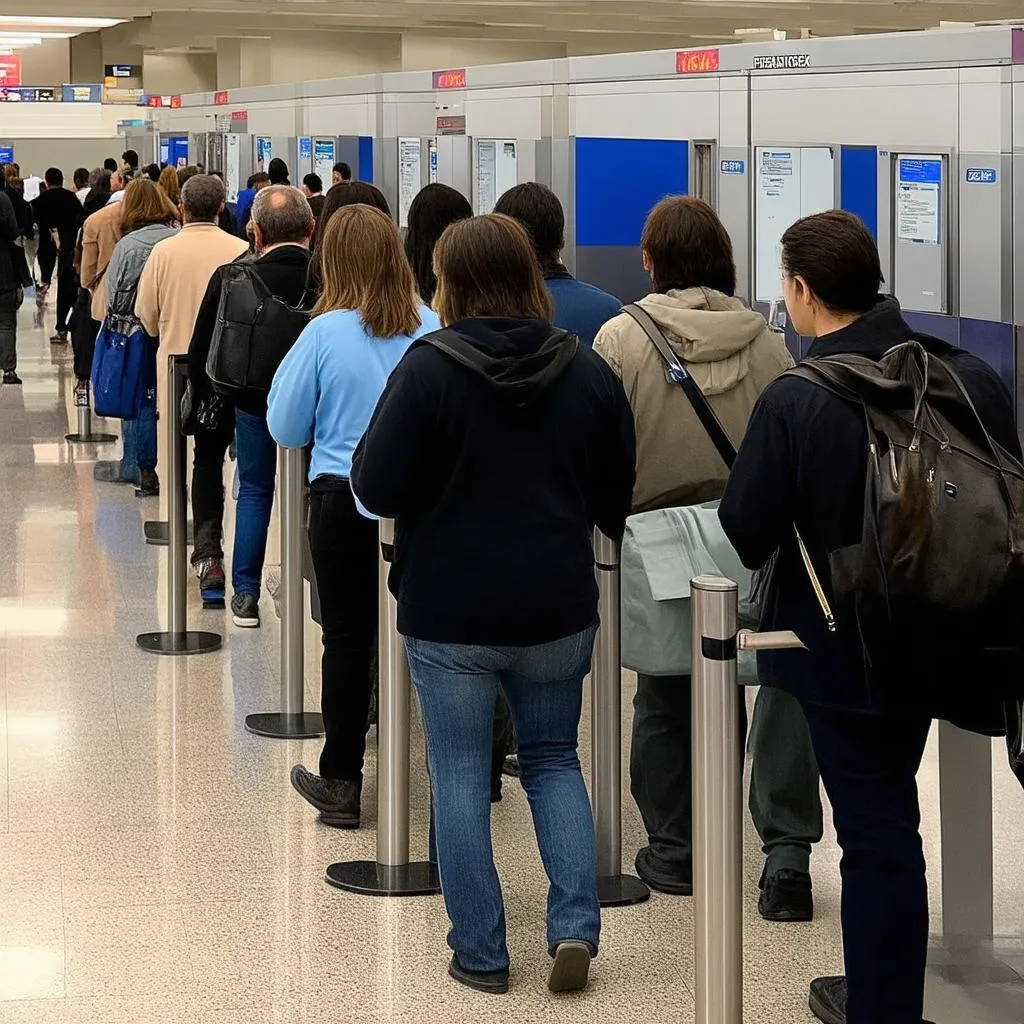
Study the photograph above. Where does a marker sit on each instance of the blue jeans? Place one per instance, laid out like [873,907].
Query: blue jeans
[257,474]
[457,686]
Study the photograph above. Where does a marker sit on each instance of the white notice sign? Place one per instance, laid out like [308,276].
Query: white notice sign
[231,146]
[408,177]
[917,211]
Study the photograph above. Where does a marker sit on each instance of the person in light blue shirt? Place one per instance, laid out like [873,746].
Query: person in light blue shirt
[324,394]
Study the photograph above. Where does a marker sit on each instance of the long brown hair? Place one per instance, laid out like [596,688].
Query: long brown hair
[145,203]
[486,266]
[363,267]
[169,183]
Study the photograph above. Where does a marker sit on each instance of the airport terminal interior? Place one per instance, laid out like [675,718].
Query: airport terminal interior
[156,864]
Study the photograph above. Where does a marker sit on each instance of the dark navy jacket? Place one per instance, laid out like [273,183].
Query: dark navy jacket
[803,460]
[579,307]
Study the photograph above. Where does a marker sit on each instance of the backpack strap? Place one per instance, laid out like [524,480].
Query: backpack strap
[678,373]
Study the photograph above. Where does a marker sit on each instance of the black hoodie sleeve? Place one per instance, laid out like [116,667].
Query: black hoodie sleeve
[202,336]
[614,459]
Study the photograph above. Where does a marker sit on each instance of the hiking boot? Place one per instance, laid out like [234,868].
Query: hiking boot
[337,800]
[786,896]
[210,572]
[245,611]
[10,377]
[149,484]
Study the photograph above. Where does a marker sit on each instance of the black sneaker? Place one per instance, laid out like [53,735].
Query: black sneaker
[245,611]
[60,338]
[571,969]
[655,878]
[149,484]
[337,800]
[786,896]
[827,1000]
[493,982]
[10,377]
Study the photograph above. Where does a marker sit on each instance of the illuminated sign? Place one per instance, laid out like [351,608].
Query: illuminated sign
[175,102]
[450,79]
[696,62]
[220,99]
[122,70]
[451,124]
[239,115]
[10,70]
[781,61]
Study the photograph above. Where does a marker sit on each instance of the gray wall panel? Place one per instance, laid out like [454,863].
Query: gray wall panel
[734,209]
[617,269]
[986,260]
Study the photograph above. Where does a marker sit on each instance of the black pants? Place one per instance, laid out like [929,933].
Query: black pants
[83,334]
[869,767]
[344,546]
[67,289]
[208,487]
[47,257]
[10,302]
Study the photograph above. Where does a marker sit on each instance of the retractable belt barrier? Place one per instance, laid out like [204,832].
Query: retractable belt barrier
[291,722]
[718,795]
[614,889]
[85,434]
[177,639]
[392,873]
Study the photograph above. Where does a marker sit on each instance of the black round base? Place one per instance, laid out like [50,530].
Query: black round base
[179,643]
[303,726]
[158,533]
[90,438]
[621,891]
[368,878]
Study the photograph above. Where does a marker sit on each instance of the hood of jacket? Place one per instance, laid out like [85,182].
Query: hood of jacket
[710,328]
[518,356]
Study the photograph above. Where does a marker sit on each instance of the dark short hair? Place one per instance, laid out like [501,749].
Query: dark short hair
[54,177]
[539,210]
[153,172]
[345,193]
[110,164]
[434,208]
[278,171]
[688,247]
[837,257]
[314,183]
[130,157]
[81,177]
[202,196]
[254,179]
[184,173]
[344,170]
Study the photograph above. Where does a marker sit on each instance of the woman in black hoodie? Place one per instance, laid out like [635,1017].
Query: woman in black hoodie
[498,445]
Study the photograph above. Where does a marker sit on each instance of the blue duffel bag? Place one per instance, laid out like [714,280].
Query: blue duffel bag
[121,368]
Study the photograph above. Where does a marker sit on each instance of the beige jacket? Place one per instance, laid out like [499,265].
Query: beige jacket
[100,234]
[730,353]
[174,282]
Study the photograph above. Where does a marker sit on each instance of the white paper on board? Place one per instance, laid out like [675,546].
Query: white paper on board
[408,177]
[484,188]
[323,160]
[231,172]
[917,211]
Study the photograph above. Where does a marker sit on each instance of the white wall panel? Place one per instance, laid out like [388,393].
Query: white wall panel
[647,110]
[411,115]
[733,106]
[505,113]
[346,115]
[63,120]
[886,108]
[985,111]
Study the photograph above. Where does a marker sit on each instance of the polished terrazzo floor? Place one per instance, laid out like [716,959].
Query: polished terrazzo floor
[155,865]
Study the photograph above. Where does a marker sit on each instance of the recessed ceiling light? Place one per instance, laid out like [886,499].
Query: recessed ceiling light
[20,42]
[38,36]
[41,21]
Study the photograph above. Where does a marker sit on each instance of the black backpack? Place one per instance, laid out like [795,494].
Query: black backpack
[255,331]
[936,582]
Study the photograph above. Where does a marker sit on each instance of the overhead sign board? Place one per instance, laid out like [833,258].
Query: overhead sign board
[239,115]
[697,62]
[82,93]
[28,94]
[6,154]
[454,79]
[781,61]
[733,167]
[220,99]
[122,70]
[175,102]
[981,176]
[451,124]
[10,69]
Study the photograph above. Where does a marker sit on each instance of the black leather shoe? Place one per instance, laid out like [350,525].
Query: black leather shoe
[654,878]
[494,983]
[827,1000]
[786,896]
[337,800]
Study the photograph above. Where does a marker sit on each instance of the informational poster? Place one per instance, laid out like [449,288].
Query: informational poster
[232,144]
[432,154]
[790,183]
[264,152]
[918,197]
[305,148]
[409,177]
[496,171]
[165,152]
[323,159]
[6,154]
[222,122]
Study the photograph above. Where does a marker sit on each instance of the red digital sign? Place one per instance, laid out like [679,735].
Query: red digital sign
[239,115]
[175,102]
[10,70]
[220,99]
[450,79]
[696,62]
[154,101]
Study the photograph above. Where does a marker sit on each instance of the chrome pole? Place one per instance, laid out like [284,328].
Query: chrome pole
[717,803]
[83,415]
[614,888]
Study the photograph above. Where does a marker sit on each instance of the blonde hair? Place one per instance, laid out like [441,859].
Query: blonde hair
[169,183]
[363,267]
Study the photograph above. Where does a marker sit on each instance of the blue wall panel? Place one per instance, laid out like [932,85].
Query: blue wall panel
[858,184]
[619,180]
[365,172]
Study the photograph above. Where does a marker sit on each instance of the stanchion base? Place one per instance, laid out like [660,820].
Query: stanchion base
[90,438]
[621,891]
[179,643]
[158,533]
[302,726]
[368,878]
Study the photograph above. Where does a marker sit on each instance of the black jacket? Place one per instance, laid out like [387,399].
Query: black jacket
[12,258]
[284,272]
[59,209]
[497,475]
[803,460]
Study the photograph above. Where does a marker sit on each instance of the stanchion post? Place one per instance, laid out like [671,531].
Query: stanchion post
[83,413]
[614,889]
[717,803]
[291,722]
[392,873]
[177,639]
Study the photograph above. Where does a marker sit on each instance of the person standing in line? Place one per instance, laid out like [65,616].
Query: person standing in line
[169,183]
[130,164]
[579,307]
[431,211]
[110,166]
[246,196]
[12,289]
[152,171]
[313,190]
[732,356]
[340,172]
[58,212]
[278,171]
[498,446]
[81,182]
[283,226]
[324,392]
[171,291]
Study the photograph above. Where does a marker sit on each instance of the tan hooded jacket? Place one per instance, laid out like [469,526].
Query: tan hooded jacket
[731,355]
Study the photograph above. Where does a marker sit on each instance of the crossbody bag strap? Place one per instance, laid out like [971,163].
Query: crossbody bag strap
[681,376]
